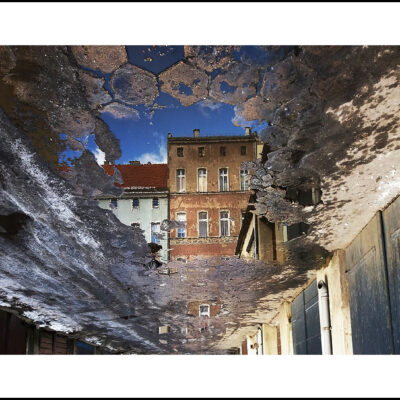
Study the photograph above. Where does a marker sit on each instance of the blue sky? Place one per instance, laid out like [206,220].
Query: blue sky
[143,136]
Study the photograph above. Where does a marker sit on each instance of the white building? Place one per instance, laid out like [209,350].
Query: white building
[144,201]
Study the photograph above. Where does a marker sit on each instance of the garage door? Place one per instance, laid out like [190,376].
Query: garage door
[305,322]
[373,275]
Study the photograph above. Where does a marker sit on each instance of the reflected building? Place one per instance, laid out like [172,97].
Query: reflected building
[209,192]
[144,201]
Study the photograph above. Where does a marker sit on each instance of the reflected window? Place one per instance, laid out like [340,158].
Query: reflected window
[155,232]
[224,223]
[204,310]
[180,180]
[181,217]
[244,179]
[202,179]
[223,180]
[203,224]
[135,203]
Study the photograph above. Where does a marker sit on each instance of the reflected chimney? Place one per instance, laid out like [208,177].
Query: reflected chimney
[248,130]
[196,132]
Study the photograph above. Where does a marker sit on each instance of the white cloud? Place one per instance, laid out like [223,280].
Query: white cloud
[100,156]
[120,111]
[159,157]
[206,106]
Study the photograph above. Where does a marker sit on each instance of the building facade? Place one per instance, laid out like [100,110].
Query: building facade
[209,191]
[144,201]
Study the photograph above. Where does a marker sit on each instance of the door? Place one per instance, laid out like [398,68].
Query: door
[391,222]
[305,322]
[369,299]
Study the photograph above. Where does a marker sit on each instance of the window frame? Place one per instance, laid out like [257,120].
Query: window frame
[198,224]
[151,231]
[202,314]
[228,219]
[158,202]
[248,179]
[177,229]
[202,153]
[227,179]
[198,170]
[135,207]
[176,179]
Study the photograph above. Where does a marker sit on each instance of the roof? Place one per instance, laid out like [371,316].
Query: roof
[201,139]
[141,176]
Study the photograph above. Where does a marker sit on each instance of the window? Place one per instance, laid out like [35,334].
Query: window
[203,224]
[155,232]
[204,310]
[201,152]
[224,223]
[222,151]
[244,179]
[180,180]
[181,217]
[179,151]
[243,150]
[164,329]
[284,232]
[155,202]
[223,180]
[135,224]
[113,203]
[202,180]
[243,213]
[135,203]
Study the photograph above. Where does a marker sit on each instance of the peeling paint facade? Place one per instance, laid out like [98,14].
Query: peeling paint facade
[207,188]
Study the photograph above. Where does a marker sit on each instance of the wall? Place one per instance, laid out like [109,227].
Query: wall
[214,244]
[285,328]
[250,232]
[145,214]
[339,306]
[266,243]
[213,201]
[270,339]
[212,161]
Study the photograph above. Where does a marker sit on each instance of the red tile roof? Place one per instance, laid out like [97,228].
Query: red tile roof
[141,176]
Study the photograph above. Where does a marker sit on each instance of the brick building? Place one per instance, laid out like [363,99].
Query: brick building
[209,191]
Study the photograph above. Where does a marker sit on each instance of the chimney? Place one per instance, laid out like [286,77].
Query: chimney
[134,162]
[169,134]
[196,132]
[248,131]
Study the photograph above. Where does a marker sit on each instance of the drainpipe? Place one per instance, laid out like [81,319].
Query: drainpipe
[325,318]
[260,350]
[256,255]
